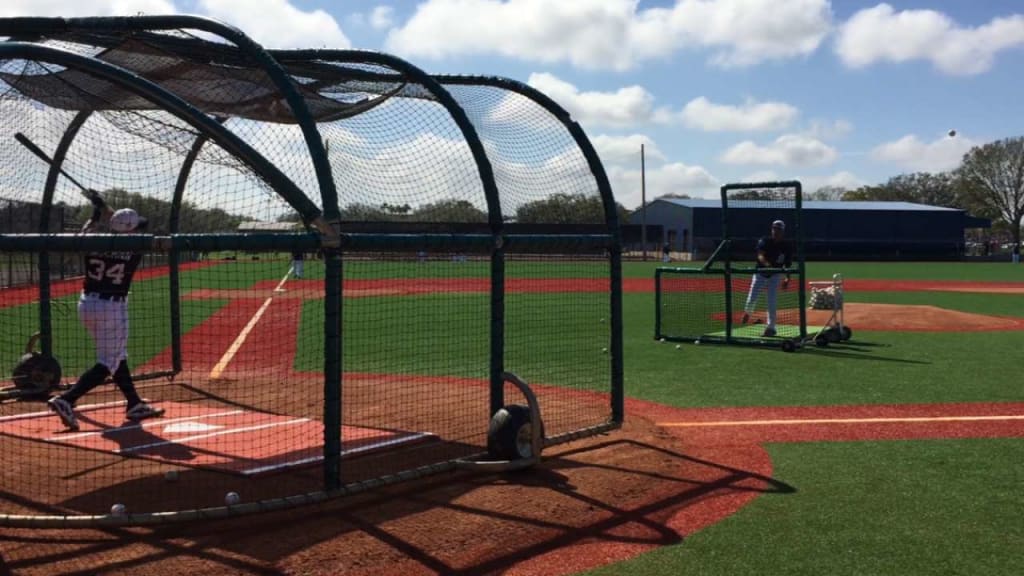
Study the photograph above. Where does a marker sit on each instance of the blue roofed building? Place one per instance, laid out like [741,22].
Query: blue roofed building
[831,229]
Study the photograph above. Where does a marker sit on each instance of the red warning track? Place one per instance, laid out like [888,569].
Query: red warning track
[414,286]
[59,289]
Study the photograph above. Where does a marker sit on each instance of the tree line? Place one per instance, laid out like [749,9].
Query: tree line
[560,208]
[191,220]
[23,217]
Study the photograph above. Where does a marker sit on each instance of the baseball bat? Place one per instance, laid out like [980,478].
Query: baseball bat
[24,141]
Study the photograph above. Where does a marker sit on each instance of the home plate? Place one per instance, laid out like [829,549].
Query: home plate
[224,438]
[181,427]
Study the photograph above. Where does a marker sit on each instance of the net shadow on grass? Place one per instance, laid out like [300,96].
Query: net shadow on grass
[857,353]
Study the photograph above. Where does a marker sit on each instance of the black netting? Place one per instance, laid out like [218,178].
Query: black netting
[229,338]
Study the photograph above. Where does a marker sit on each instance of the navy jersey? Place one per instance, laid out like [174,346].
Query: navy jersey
[110,273]
[778,253]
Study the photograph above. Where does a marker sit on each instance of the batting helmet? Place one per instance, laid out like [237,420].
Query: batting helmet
[126,220]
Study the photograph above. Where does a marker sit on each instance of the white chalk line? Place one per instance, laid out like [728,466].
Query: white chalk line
[187,439]
[797,422]
[85,408]
[218,369]
[150,423]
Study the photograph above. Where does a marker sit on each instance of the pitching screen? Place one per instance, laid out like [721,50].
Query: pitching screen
[690,304]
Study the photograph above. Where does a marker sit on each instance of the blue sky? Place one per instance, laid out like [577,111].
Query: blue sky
[843,93]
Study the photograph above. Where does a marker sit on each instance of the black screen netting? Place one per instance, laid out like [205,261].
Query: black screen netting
[228,318]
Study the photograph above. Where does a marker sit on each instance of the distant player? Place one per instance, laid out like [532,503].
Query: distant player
[103,310]
[297,263]
[773,251]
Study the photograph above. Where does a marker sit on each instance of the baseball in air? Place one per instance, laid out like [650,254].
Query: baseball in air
[117,510]
[232,498]
[951,133]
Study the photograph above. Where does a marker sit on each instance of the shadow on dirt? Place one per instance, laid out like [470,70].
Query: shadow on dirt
[615,492]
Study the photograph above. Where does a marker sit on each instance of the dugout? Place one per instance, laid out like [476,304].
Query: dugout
[201,128]
[833,230]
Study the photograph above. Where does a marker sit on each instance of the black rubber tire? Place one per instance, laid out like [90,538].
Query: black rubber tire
[832,335]
[36,374]
[509,434]
[788,346]
[846,334]
[821,341]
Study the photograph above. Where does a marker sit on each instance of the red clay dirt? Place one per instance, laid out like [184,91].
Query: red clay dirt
[667,473]
[914,318]
[413,286]
[859,316]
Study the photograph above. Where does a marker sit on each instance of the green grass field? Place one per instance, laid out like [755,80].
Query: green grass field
[902,507]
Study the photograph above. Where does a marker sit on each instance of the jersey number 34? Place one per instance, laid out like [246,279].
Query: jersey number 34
[98,270]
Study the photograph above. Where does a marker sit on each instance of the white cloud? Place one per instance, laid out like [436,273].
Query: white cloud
[673,178]
[273,23]
[613,34]
[620,156]
[747,32]
[625,107]
[626,149]
[85,7]
[842,179]
[703,114]
[882,34]
[762,176]
[786,150]
[382,17]
[828,130]
[910,153]
[278,23]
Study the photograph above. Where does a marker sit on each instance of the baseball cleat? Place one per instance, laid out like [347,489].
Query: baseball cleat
[65,411]
[141,411]
[768,332]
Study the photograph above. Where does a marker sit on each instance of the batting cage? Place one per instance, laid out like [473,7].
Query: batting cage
[751,290]
[241,280]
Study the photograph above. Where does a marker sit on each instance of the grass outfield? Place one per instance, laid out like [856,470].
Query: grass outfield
[904,507]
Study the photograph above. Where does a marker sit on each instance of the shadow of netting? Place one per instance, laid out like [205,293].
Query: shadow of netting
[623,492]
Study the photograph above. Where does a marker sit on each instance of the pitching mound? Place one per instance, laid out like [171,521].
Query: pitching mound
[909,318]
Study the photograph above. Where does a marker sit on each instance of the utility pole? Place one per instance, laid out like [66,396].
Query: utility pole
[643,204]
